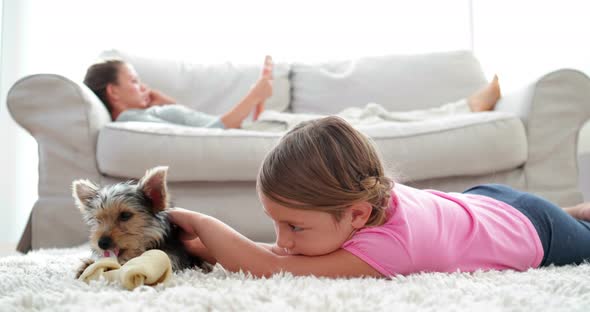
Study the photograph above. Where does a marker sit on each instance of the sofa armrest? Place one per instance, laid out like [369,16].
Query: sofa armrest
[553,108]
[64,117]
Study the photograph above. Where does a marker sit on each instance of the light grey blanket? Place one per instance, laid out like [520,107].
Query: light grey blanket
[371,114]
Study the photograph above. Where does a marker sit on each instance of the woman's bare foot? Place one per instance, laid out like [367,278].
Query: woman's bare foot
[580,211]
[253,101]
[266,74]
[485,99]
[268,67]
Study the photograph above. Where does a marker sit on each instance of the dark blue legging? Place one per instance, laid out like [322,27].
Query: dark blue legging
[565,239]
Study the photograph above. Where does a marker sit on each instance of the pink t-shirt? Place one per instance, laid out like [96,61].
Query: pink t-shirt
[432,231]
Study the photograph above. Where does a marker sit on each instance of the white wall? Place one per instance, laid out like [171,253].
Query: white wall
[18,158]
[521,40]
[209,31]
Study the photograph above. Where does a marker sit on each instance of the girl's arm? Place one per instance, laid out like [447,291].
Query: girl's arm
[235,252]
[196,247]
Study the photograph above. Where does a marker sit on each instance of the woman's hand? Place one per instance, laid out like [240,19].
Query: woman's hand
[157,97]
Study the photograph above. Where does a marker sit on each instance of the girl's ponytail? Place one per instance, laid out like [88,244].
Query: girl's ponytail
[378,190]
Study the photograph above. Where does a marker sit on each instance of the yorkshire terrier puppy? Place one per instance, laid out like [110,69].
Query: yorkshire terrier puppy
[131,217]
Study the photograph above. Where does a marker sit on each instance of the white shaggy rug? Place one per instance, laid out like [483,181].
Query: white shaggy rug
[44,281]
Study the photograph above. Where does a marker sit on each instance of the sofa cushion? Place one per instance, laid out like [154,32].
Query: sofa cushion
[211,88]
[470,144]
[397,82]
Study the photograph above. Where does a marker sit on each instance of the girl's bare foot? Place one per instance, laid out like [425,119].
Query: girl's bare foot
[485,99]
[580,211]
[266,74]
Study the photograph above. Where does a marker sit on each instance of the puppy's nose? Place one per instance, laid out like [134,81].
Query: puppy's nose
[105,242]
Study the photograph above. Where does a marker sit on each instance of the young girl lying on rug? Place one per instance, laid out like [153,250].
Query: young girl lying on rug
[337,214]
[126,98]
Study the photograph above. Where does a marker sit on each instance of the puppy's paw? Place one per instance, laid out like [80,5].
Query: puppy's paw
[85,263]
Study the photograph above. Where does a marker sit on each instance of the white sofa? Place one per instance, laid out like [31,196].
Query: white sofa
[529,142]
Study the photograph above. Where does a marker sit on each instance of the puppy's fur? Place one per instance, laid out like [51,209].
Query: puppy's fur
[131,217]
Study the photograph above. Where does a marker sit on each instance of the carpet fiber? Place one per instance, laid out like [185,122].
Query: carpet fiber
[44,280]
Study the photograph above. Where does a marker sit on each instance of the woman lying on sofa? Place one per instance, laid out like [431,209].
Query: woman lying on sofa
[126,98]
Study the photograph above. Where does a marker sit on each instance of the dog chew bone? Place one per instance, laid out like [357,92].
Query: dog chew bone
[105,267]
[151,268]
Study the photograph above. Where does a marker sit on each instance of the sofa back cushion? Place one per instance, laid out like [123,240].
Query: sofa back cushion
[211,88]
[398,82]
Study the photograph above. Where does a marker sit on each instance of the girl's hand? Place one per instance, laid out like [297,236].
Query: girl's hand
[186,220]
[279,251]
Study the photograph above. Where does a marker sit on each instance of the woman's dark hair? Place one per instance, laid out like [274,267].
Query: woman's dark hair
[99,75]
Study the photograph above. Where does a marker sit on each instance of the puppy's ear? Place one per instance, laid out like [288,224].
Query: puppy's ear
[153,185]
[83,191]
